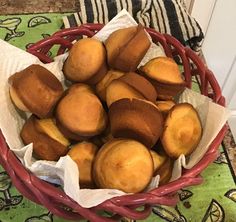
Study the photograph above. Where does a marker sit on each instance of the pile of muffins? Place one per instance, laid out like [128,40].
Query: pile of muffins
[118,122]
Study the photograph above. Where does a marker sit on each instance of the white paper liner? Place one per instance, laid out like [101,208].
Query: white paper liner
[65,171]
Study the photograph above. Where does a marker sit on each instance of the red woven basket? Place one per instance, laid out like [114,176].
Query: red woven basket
[56,201]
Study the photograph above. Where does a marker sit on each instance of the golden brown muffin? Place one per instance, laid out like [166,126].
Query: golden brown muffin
[35,89]
[102,85]
[165,171]
[164,74]
[115,42]
[136,119]
[182,130]
[166,91]
[84,154]
[86,61]
[163,165]
[158,160]
[17,101]
[141,84]
[81,112]
[131,85]
[123,164]
[164,106]
[68,134]
[127,47]
[118,90]
[48,142]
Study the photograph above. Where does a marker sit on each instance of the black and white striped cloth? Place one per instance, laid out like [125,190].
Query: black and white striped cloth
[166,16]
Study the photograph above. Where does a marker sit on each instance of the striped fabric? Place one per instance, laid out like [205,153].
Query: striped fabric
[166,16]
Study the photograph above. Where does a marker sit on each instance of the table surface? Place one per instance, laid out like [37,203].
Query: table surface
[214,200]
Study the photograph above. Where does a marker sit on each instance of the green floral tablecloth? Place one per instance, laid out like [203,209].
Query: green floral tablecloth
[213,201]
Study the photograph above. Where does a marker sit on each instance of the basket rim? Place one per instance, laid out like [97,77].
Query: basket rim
[190,177]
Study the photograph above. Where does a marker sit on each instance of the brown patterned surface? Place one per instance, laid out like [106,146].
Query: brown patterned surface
[37,6]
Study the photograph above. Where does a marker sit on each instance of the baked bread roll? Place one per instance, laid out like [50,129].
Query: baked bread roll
[123,164]
[158,160]
[165,106]
[182,130]
[48,142]
[36,90]
[68,134]
[118,90]
[130,85]
[126,48]
[101,87]
[86,61]
[163,166]
[136,119]
[84,154]
[165,171]
[165,75]
[81,112]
